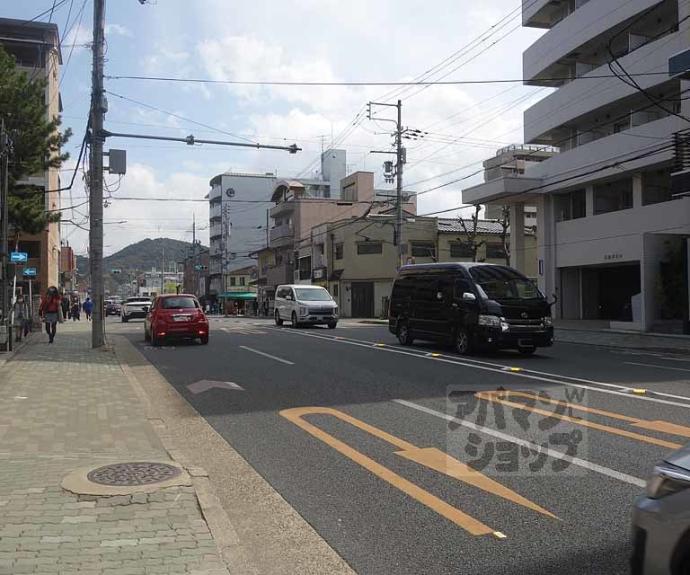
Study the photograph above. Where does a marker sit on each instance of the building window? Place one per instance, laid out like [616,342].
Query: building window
[613,196]
[423,249]
[339,251]
[369,248]
[242,280]
[305,268]
[495,252]
[461,250]
[233,280]
[570,206]
[335,290]
[656,187]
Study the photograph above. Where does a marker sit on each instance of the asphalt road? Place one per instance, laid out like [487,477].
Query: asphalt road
[414,460]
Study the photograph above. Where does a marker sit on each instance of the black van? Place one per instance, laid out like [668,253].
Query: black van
[471,305]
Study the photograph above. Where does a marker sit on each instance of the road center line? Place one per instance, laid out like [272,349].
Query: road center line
[280,359]
[485,366]
[624,477]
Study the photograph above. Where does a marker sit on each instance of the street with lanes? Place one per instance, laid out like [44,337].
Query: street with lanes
[416,460]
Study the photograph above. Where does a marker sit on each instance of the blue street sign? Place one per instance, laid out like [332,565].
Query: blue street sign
[30,272]
[19,257]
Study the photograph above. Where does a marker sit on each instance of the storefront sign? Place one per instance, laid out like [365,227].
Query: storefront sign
[609,257]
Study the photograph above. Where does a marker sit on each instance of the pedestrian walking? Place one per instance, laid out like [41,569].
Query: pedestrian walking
[255,305]
[65,306]
[21,314]
[74,313]
[88,308]
[50,310]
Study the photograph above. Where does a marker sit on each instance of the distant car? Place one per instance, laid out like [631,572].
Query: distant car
[661,520]
[176,316]
[134,307]
[305,305]
[112,308]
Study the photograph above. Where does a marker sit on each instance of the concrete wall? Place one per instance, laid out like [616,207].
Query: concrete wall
[593,240]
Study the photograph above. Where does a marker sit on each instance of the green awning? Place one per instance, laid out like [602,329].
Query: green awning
[237,295]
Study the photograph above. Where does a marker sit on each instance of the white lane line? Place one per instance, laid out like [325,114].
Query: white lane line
[562,379]
[657,366]
[280,359]
[636,481]
[524,374]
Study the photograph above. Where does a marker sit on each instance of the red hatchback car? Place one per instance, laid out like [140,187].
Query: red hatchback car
[175,316]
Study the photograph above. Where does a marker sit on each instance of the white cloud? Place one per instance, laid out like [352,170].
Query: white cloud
[118,30]
[79,35]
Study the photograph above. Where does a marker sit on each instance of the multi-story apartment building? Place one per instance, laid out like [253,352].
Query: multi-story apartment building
[300,209]
[610,233]
[36,49]
[240,212]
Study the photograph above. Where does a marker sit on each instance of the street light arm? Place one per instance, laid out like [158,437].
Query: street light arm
[191,140]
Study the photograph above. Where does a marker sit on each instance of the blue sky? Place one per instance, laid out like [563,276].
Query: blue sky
[303,40]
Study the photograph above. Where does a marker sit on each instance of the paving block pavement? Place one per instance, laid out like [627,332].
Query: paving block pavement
[64,407]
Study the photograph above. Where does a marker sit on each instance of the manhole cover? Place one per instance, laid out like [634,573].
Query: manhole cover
[140,473]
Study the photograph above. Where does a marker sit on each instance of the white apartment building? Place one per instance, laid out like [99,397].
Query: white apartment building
[612,239]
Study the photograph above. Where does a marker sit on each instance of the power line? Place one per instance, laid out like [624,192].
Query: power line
[366,83]
[178,116]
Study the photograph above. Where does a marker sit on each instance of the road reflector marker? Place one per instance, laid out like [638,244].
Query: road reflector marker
[513,369]
[639,391]
[379,345]
[435,355]
[499,535]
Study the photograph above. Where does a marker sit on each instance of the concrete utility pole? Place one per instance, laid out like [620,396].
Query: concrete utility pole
[98,109]
[389,173]
[398,186]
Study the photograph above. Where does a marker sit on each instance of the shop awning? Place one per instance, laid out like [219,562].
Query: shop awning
[238,295]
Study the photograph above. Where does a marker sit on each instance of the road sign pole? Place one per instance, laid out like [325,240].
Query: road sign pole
[31,304]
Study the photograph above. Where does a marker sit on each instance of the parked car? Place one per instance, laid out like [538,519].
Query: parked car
[661,519]
[176,316]
[471,305]
[135,307]
[305,304]
[112,308]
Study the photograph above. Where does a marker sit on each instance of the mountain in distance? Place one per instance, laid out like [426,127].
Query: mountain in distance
[141,256]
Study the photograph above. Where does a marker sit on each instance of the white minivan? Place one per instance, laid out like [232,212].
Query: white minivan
[305,305]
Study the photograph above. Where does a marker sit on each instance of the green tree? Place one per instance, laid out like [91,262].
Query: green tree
[37,145]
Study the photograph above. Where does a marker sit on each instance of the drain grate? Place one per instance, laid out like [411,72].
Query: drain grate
[136,473]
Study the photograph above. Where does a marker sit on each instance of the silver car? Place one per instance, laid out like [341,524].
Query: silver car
[661,520]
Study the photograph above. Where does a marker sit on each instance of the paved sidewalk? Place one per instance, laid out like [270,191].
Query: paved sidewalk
[611,338]
[64,407]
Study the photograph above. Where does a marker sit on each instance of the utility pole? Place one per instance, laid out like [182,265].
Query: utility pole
[4,244]
[98,109]
[399,151]
[390,173]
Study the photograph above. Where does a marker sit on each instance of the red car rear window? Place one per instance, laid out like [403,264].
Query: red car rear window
[179,303]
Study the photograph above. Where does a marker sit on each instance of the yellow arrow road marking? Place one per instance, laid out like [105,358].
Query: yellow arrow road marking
[433,458]
[652,425]
[495,397]
[444,463]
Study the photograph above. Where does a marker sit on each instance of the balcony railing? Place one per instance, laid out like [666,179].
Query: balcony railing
[281,234]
